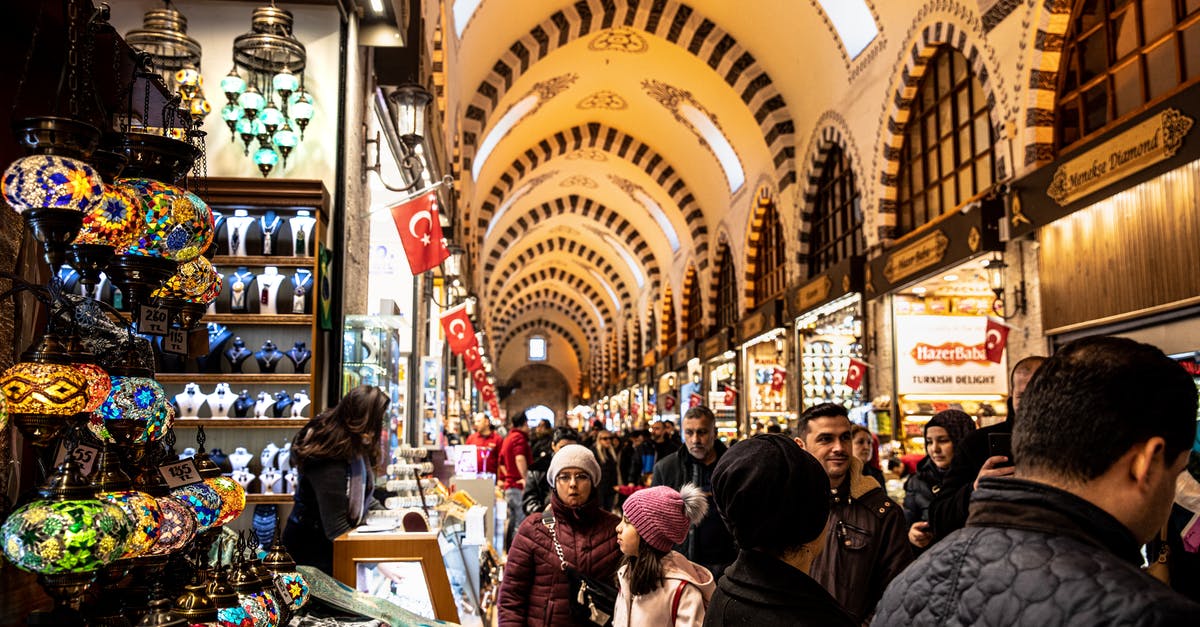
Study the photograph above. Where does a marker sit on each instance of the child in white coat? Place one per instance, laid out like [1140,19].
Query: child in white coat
[659,586]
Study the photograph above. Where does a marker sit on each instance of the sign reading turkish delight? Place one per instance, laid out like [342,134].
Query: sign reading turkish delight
[946,355]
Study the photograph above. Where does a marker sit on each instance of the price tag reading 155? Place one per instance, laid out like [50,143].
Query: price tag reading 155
[180,473]
[153,320]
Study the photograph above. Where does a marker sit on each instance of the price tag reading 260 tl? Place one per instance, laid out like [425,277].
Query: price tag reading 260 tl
[153,320]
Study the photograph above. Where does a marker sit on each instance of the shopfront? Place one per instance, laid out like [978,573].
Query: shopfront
[763,352]
[666,384]
[828,321]
[719,382]
[939,295]
[684,382]
[1118,216]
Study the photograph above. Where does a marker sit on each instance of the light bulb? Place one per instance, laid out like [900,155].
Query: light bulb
[251,102]
[233,85]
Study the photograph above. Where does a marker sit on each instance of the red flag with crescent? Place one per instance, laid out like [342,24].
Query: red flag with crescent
[695,400]
[460,334]
[778,378]
[995,340]
[730,395]
[488,393]
[854,373]
[494,406]
[479,377]
[421,232]
[471,358]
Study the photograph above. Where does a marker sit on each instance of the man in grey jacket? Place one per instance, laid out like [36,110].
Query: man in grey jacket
[1105,429]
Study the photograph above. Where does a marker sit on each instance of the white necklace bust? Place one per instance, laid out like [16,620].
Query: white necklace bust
[221,400]
[240,458]
[300,402]
[263,405]
[190,400]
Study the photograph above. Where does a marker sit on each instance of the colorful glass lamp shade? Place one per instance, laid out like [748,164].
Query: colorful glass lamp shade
[3,412]
[135,412]
[286,578]
[178,225]
[178,526]
[233,498]
[196,281]
[42,398]
[115,221]
[204,502]
[99,385]
[145,518]
[72,536]
[52,182]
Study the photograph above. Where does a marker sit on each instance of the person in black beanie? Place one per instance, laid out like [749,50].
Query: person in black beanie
[774,498]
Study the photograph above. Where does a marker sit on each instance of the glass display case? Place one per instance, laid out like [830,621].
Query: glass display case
[375,352]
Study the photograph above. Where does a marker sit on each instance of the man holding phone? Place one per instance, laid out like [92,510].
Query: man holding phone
[978,457]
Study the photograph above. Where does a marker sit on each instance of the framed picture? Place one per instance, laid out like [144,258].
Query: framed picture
[405,569]
[400,582]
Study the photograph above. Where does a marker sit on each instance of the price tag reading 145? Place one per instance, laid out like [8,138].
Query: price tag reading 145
[180,473]
[153,320]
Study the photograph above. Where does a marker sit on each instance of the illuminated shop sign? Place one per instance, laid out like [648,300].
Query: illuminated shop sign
[946,355]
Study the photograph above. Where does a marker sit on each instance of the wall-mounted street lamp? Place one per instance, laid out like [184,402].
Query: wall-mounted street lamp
[995,268]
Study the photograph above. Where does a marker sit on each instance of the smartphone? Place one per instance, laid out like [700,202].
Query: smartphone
[1000,444]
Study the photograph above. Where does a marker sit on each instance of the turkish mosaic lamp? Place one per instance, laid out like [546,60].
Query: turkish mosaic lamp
[205,503]
[44,392]
[177,224]
[135,412]
[196,281]
[115,221]
[287,579]
[178,526]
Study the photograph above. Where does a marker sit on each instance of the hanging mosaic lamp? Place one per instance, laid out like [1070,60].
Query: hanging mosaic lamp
[233,85]
[289,580]
[44,391]
[266,159]
[301,108]
[285,140]
[99,385]
[178,225]
[233,495]
[178,525]
[251,101]
[197,281]
[142,511]
[204,501]
[174,55]
[231,113]
[66,535]
[114,221]
[136,411]
[52,193]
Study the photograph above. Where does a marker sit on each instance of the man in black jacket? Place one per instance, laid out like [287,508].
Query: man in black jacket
[972,459]
[1105,429]
[708,543]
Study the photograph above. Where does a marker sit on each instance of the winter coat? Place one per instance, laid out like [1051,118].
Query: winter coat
[920,489]
[609,475]
[654,608]
[537,491]
[948,511]
[1033,555]
[866,544]
[709,543]
[762,591]
[535,588]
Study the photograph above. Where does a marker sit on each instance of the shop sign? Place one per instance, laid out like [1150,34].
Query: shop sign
[812,293]
[917,256]
[1145,144]
[842,278]
[762,320]
[683,354]
[946,355]
[716,344]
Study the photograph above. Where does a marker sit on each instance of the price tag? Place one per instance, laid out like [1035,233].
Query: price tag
[180,473]
[176,342]
[83,454]
[153,320]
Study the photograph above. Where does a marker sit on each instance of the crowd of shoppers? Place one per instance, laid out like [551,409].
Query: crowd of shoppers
[797,529]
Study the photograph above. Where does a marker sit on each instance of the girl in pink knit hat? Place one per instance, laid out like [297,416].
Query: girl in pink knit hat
[658,585]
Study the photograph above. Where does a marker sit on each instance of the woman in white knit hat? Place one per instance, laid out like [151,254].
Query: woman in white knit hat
[658,585]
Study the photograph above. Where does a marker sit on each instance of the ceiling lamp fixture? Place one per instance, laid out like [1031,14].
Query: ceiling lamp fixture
[175,56]
[265,91]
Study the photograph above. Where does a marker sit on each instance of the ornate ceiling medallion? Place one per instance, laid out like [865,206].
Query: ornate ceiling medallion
[619,39]
[579,180]
[552,87]
[590,154]
[673,98]
[627,186]
[603,99]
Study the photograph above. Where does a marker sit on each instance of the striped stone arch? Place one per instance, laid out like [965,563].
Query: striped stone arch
[673,21]
[558,244]
[597,136]
[544,325]
[690,289]
[565,278]
[763,199]
[668,332]
[959,28]
[1053,22]
[639,249]
[548,299]
[714,279]
[830,130]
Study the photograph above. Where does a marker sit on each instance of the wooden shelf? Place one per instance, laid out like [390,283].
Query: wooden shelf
[241,423]
[263,261]
[277,499]
[252,318]
[231,379]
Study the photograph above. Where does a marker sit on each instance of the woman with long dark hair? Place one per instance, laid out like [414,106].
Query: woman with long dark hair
[336,454]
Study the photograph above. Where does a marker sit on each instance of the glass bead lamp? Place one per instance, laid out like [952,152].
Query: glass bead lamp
[301,108]
[283,569]
[251,101]
[285,83]
[177,225]
[141,510]
[52,193]
[285,140]
[44,392]
[178,526]
[233,498]
[231,113]
[271,117]
[197,281]
[136,411]
[233,85]
[266,159]
[99,385]
[204,502]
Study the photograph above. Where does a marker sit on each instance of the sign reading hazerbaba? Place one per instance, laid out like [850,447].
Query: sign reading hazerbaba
[946,355]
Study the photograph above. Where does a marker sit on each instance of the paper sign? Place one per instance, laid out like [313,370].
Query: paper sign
[153,320]
[946,355]
[180,473]
[467,462]
[83,454]
[176,342]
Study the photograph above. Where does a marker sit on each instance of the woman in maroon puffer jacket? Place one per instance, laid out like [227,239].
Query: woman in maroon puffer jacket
[535,588]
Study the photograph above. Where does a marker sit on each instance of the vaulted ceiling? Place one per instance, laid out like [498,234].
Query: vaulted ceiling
[604,147]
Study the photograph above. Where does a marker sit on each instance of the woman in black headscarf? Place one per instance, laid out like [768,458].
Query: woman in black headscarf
[943,433]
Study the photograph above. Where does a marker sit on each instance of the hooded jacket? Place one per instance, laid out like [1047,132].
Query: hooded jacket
[866,543]
[762,591]
[709,543]
[535,588]
[920,490]
[655,608]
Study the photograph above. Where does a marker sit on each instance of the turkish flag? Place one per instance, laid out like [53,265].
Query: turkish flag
[479,377]
[494,406]
[695,400]
[471,358]
[460,334]
[668,401]
[995,340]
[730,395]
[778,378]
[487,393]
[421,232]
[854,373]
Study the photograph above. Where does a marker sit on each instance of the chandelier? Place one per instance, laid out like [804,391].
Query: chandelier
[175,56]
[267,101]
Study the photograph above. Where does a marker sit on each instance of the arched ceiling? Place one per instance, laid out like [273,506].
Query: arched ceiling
[602,145]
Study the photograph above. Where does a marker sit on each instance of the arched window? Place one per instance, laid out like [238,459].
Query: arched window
[837,218]
[694,320]
[651,332]
[947,155]
[727,309]
[537,348]
[670,340]
[1121,55]
[770,268]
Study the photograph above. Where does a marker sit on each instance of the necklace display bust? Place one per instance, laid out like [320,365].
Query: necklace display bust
[189,401]
[300,402]
[283,401]
[272,481]
[237,354]
[302,283]
[218,336]
[268,357]
[268,289]
[267,457]
[243,404]
[221,401]
[242,476]
[239,286]
[299,355]
[238,225]
[240,458]
[269,225]
[262,404]
[302,226]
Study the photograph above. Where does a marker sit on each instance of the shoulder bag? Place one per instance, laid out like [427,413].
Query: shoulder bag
[592,601]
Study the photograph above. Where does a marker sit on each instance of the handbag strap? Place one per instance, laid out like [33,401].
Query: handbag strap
[675,601]
[548,520]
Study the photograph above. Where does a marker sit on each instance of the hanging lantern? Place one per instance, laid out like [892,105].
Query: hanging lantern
[197,281]
[285,140]
[44,391]
[178,225]
[204,501]
[99,385]
[178,526]
[52,182]
[233,85]
[135,412]
[233,498]
[231,113]
[266,159]
[287,579]
[301,108]
[115,221]
[251,101]
[175,56]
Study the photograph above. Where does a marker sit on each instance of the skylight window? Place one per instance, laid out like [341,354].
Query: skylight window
[607,288]
[464,10]
[506,123]
[721,147]
[661,218]
[537,348]
[633,266]
[854,23]
[505,207]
